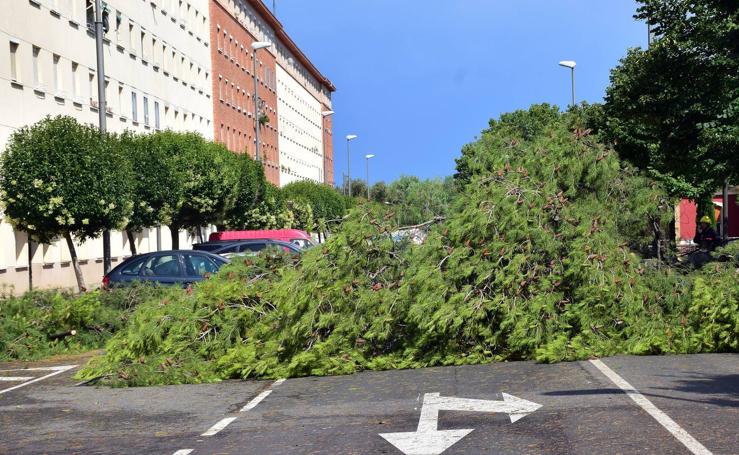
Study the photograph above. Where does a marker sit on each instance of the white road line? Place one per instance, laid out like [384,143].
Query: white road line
[223,423]
[255,401]
[54,372]
[670,425]
[183,452]
[15,378]
[278,382]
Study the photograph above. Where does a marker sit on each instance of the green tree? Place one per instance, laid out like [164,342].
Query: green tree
[416,201]
[378,192]
[210,186]
[326,203]
[359,188]
[59,179]
[674,108]
[157,184]
[251,191]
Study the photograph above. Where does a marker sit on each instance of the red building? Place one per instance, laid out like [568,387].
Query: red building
[285,77]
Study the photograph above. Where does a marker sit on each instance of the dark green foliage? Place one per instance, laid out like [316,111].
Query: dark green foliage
[673,109]
[378,192]
[534,261]
[38,324]
[211,181]
[158,180]
[325,203]
[416,201]
[57,177]
[251,191]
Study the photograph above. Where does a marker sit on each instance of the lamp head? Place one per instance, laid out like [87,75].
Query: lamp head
[369,156]
[568,64]
[327,113]
[260,45]
[351,137]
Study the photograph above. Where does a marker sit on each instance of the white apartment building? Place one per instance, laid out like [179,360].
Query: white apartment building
[157,76]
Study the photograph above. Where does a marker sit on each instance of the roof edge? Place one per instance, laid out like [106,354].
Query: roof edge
[272,20]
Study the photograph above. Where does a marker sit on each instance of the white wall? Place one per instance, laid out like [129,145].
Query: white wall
[300,141]
[61,80]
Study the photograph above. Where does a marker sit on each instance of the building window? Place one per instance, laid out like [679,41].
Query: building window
[146,111]
[75,81]
[120,98]
[157,123]
[90,14]
[218,38]
[91,79]
[57,75]
[144,54]
[14,75]
[118,24]
[134,108]
[131,38]
[37,80]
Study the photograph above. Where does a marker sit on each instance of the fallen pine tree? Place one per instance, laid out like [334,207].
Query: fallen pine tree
[536,260]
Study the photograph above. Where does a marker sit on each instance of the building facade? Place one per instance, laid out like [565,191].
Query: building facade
[157,76]
[295,135]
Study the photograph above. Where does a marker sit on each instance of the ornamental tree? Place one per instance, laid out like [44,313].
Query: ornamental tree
[210,183]
[249,193]
[59,179]
[674,108]
[326,203]
[157,183]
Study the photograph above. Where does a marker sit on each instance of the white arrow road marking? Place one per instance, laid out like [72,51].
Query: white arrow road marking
[54,371]
[428,440]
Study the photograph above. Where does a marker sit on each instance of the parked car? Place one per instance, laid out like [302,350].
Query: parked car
[296,236]
[245,247]
[168,268]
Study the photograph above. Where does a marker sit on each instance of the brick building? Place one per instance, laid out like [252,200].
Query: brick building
[295,140]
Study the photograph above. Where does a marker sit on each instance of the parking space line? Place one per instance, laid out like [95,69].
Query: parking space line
[183,452]
[220,425]
[54,371]
[670,425]
[255,401]
[15,378]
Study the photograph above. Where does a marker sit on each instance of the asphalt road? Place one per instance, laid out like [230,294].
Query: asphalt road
[625,405]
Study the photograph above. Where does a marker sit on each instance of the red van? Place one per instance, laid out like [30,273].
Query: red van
[295,236]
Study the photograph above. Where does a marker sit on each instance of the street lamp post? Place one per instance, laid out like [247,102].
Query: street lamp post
[367,158]
[255,47]
[571,65]
[349,138]
[325,114]
[99,32]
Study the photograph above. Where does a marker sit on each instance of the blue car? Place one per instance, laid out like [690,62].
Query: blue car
[167,268]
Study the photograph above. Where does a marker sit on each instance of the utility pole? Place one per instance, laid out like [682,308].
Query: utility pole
[725,212]
[101,109]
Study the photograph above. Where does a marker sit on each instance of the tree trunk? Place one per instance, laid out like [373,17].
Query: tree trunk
[131,241]
[175,232]
[75,263]
[200,234]
[30,263]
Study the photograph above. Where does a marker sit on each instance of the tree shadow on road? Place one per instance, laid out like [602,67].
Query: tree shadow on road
[717,390]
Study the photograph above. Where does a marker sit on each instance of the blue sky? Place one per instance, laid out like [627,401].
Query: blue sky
[418,79]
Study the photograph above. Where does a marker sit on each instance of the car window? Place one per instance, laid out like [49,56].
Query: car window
[228,249]
[208,246]
[161,265]
[252,247]
[133,267]
[302,243]
[198,265]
